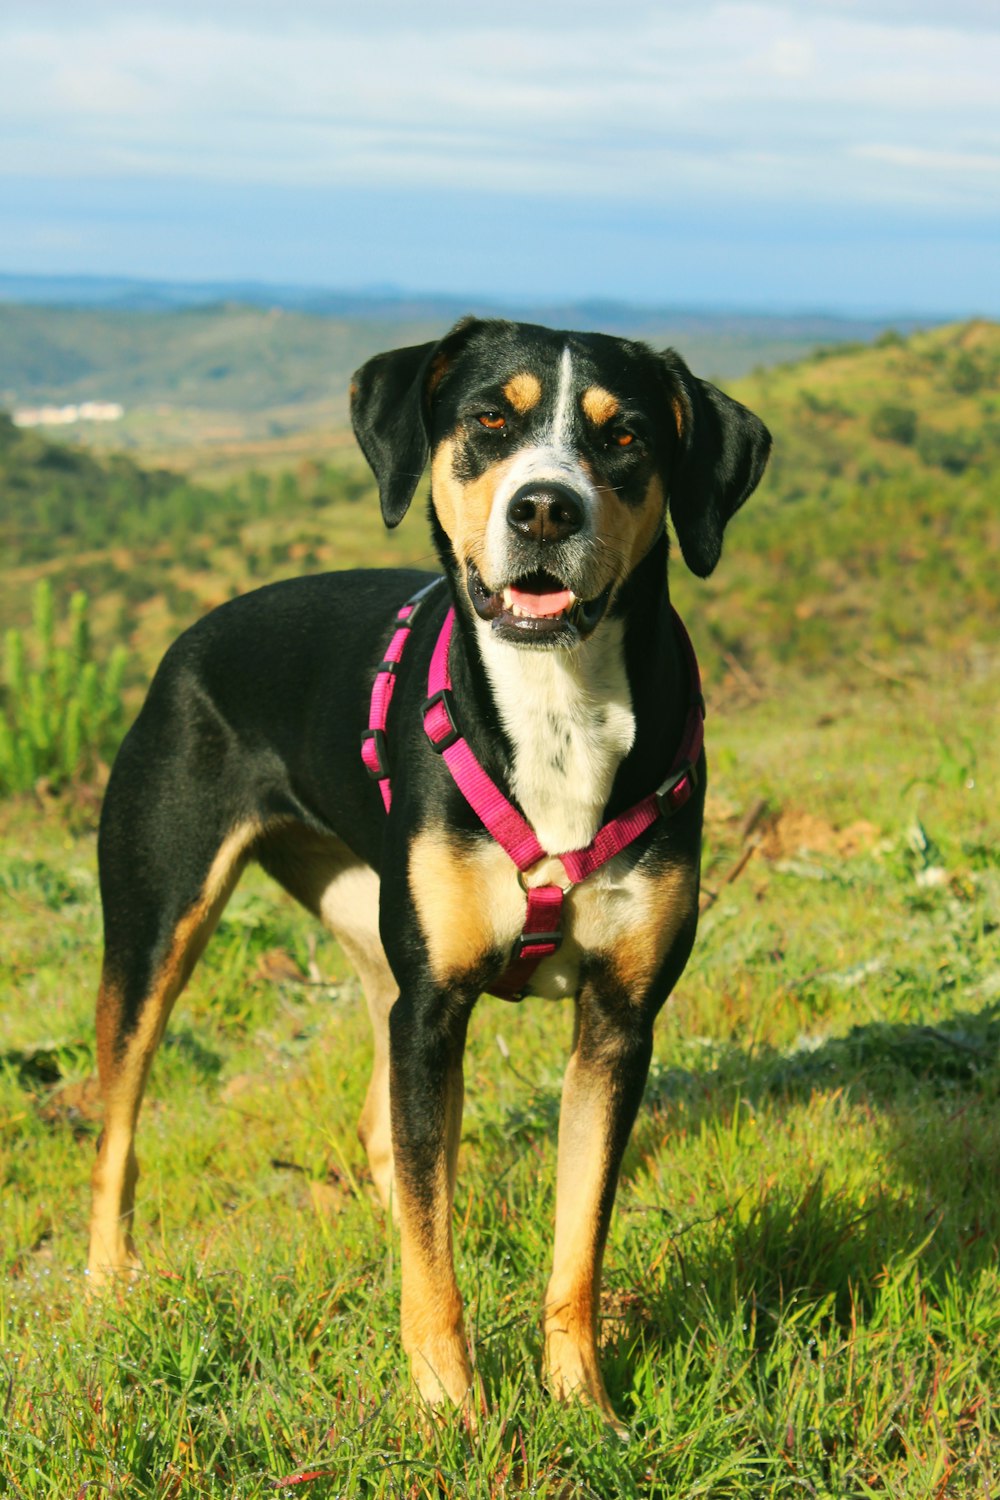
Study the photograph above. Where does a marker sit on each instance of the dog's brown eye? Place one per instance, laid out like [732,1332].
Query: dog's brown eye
[493,420]
[622,438]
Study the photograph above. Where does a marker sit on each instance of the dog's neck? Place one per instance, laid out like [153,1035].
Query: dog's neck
[570,721]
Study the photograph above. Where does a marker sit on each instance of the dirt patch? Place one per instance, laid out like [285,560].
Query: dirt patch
[279,967]
[793,831]
[77,1105]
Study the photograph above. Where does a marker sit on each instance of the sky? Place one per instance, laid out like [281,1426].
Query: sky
[821,155]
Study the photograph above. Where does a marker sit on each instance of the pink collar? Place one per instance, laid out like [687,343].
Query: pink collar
[541,935]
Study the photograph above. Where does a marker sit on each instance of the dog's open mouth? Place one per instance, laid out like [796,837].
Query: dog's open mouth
[538,607]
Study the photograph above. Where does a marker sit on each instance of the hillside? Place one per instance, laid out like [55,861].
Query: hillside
[204,380]
[876,526]
[875,530]
[191,377]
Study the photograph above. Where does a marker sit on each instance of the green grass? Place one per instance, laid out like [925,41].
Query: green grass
[802,1293]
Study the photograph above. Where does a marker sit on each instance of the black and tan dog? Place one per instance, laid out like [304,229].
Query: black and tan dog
[554,458]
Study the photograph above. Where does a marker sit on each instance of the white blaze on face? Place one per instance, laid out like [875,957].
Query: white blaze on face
[561,425]
[553,459]
[568,713]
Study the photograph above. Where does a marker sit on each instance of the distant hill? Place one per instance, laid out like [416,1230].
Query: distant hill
[394,305]
[220,363]
[228,357]
[876,528]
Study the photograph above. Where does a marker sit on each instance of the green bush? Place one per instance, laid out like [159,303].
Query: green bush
[894,424]
[952,451]
[969,375]
[61,712]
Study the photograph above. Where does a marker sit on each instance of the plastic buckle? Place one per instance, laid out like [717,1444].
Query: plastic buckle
[663,793]
[379,771]
[443,696]
[534,940]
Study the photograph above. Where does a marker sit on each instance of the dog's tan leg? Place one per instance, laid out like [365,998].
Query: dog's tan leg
[123,1067]
[427,1094]
[601,1093]
[375,1124]
[349,907]
[127,1037]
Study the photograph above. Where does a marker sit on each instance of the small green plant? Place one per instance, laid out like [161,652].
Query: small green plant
[61,712]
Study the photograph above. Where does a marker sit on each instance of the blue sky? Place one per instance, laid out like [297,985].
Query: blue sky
[823,154]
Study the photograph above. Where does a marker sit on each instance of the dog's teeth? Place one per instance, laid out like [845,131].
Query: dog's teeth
[508,598]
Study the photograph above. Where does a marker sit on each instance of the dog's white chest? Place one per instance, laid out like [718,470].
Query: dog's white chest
[569,718]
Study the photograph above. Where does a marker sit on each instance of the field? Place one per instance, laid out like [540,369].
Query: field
[802,1294]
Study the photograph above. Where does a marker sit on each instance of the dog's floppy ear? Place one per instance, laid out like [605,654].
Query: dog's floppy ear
[390,411]
[720,458]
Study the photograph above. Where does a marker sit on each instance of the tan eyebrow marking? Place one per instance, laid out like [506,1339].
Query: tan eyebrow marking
[599,406]
[523,391]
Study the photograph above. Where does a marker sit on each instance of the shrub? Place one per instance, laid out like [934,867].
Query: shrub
[61,712]
[968,375]
[894,424]
[952,451]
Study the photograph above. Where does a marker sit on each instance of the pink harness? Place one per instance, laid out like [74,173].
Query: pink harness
[541,934]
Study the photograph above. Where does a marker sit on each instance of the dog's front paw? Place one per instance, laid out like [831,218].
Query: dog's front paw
[572,1373]
[441,1370]
[439,1410]
[104,1271]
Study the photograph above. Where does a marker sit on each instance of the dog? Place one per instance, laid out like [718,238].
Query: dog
[491,781]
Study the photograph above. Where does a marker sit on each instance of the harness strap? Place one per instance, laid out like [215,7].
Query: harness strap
[508,826]
[540,938]
[541,934]
[373,745]
[499,816]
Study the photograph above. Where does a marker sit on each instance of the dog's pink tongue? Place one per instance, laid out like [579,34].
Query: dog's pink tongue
[542,605]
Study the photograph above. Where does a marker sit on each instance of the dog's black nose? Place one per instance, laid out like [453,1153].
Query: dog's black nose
[545,512]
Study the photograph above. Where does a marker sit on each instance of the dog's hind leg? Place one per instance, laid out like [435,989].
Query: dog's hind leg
[322,872]
[375,1124]
[157,923]
[350,909]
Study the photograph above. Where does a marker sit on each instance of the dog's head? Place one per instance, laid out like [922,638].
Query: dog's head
[554,457]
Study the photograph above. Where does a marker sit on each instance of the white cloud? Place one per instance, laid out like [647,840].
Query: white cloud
[834,101]
[915,159]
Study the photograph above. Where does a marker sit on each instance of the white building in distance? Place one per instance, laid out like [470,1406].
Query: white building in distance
[63,416]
